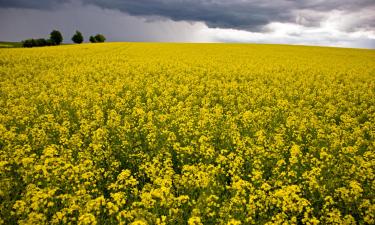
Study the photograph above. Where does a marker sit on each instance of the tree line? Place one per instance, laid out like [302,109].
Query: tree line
[56,38]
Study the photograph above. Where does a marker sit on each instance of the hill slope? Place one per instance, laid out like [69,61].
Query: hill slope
[10,44]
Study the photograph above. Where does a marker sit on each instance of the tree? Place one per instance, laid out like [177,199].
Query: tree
[77,37]
[99,38]
[50,42]
[56,37]
[40,42]
[92,39]
[28,43]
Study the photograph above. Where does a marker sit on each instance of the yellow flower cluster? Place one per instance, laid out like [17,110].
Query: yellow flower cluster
[131,133]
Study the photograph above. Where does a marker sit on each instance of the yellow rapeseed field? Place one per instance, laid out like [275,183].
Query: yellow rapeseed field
[142,133]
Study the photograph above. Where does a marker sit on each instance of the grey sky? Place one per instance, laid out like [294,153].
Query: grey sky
[314,22]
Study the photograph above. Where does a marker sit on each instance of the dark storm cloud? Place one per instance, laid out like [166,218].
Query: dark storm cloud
[328,5]
[238,14]
[31,4]
[223,14]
